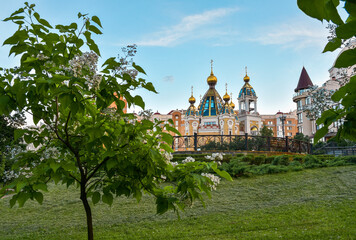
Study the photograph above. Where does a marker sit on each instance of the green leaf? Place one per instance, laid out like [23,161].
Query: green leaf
[340,93]
[138,68]
[111,163]
[149,86]
[107,198]
[346,31]
[172,129]
[54,166]
[92,46]
[96,197]
[19,133]
[332,45]
[20,10]
[346,59]
[332,13]
[139,101]
[22,198]
[351,8]
[313,8]
[94,29]
[45,23]
[20,186]
[221,173]
[155,155]
[38,196]
[321,10]
[96,20]
[166,147]
[40,186]
[13,201]
[320,133]
[162,205]
[167,138]
[137,194]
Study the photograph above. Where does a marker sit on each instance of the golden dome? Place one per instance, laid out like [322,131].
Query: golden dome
[212,80]
[246,78]
[232,105]
[226,97]
[192,100]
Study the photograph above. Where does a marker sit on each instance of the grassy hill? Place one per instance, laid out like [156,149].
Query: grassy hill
[311,204]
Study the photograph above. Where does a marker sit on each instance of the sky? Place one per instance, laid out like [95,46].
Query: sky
[177,39]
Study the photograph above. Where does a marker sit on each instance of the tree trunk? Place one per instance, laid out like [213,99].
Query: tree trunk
[83,197]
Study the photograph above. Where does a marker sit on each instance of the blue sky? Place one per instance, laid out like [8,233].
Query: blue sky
[177,39]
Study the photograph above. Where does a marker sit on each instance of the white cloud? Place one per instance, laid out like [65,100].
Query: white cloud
[169,79]
[294,35]
[188,28]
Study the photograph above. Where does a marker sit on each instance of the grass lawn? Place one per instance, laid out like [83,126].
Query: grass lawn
[311,204]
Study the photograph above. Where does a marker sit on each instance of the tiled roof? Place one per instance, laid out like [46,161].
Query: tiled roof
[304,81]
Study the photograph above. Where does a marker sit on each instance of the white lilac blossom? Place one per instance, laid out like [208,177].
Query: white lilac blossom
[174,164]
[40,56]
[215,180]
[167,156]
[86,66]
[188,159]
[215,157]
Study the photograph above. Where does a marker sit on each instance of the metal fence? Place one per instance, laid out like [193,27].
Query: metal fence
[337,151]
[238,143]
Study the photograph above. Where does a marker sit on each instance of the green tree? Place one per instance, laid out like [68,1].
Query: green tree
[327,10]
[8,125]
[146,114]
[81,142]
[301,137]
[266,132]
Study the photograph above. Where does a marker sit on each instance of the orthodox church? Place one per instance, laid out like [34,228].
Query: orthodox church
[217,116]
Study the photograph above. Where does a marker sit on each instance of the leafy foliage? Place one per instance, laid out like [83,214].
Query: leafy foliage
[266,132]
[100,149]
[327,10]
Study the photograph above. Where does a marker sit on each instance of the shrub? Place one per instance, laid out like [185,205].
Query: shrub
[239,154]
[238,168]
[325,157]
[298,158]
[281,160]
[260,159]
[249,158]
[269,169]
[311,161]
[295,163]
[350,159]
[269,159]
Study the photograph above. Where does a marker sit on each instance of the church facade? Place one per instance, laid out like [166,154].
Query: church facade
[216,115]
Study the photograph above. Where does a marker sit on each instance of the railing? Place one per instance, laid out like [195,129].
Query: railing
[336,151]
[238,143]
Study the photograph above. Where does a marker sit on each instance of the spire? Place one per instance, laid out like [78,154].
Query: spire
[226,96]
[211,62]
[212,80]
[192,99]
[231,103]
[246,78]
[304,81]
